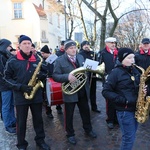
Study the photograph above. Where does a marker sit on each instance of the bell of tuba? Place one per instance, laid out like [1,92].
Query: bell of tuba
[80,73]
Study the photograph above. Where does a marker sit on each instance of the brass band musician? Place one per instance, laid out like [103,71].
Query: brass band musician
[62,68]
[18,72]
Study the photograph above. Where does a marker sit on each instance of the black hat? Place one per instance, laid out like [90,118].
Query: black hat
[45,49]
[124,52]
[23,38]
[146,41]
[4,43]
[84,43]
[69,43]
[62,42]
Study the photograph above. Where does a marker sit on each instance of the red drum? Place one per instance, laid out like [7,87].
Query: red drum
[53,92]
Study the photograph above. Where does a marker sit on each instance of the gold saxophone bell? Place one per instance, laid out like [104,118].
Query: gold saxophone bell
[73,87]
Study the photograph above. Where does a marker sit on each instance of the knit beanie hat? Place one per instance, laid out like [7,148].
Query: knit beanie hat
[124,52]
[84,43]
[45,49]
[69,43]
[23,38]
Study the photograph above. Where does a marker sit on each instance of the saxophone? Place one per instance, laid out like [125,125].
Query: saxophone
[143,101]
[34,82]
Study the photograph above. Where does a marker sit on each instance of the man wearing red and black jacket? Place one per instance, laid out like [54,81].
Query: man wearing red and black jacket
[109,56]
[142,57]
[18,71]
[61,50]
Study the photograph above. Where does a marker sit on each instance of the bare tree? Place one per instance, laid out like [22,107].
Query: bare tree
[131,29]
[103,18]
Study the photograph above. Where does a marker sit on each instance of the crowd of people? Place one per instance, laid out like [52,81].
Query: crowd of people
[23,71]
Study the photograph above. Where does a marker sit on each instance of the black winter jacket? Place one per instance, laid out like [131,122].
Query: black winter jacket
[142,59]
[87,54]
[121,88]
[19,70]
[108,58]
[4,55]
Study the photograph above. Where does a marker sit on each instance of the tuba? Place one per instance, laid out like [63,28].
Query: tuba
[143,101]
[34,82]
[73,87]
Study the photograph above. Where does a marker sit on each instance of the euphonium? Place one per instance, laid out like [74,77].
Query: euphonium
[143,101]
[80,73]
[34,82]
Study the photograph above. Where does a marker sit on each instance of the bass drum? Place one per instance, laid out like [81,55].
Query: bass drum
[53,92]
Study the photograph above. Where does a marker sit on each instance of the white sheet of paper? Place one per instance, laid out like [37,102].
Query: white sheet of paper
[90,64]
[51,58]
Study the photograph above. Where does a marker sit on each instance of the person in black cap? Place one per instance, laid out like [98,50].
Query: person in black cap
[45,52]
[62,73]
[87,53]
[61,50]
[8,113]
[108,55]
[18,73]
[142,57]
[121,87]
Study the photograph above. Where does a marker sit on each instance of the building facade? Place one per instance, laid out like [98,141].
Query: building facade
[34,18]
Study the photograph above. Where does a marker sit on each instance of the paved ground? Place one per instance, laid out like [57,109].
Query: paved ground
[55,134]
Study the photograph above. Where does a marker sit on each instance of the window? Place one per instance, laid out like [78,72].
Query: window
[17,10]
[43,37]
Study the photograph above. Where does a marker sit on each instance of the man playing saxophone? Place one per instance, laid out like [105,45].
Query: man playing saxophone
[122,87]
[19,72]
[62,68]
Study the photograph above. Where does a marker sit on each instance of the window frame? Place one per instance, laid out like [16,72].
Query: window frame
[18,11]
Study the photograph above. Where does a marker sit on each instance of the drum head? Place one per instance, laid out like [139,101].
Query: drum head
[53,92]
[48,91]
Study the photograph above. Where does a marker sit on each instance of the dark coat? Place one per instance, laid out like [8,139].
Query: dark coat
[120,88]
[142,59]
[108,58]
[87,54]
[4,56]
[60,52]
[19,71]
[62,68]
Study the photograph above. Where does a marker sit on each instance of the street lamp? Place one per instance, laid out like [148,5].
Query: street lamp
[59,1]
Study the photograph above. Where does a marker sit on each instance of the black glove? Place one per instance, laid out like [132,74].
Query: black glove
[26,88]
[41,76]
[120,100]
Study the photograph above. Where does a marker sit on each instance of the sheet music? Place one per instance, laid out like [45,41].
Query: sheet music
[91,64]
[51,58]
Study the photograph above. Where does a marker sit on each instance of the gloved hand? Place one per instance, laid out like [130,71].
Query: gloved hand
[26,88]
[120,100]
[41,76]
